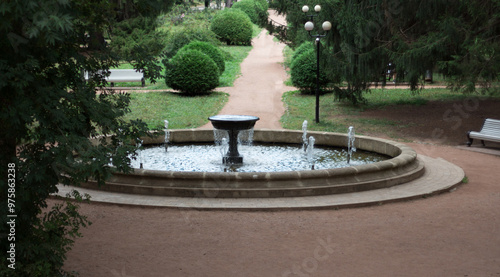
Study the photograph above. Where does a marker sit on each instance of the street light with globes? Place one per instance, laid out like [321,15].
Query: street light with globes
[309,26]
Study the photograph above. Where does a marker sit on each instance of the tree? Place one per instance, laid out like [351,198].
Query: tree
[49,112]
[457,38]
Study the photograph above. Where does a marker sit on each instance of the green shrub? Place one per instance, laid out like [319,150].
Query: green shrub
[303,72]
[209,49]
[192,72]
[256,10]
[179,37]
[232,26]
[138,33]
[263,3]
[304,47]
[262,13]
[247,6]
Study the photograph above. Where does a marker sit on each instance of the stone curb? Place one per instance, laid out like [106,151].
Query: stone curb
[440,176]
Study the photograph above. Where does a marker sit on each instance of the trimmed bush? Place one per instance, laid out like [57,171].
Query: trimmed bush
[248,6]
[232,26]
[192,72]
[304,47]
[256,10]
[213,52]
[303,72]
[182,36]
[262,13]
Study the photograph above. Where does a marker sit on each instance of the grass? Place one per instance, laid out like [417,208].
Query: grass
[181,111]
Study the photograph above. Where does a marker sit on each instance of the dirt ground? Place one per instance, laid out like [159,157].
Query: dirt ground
[441,122]
[452,234]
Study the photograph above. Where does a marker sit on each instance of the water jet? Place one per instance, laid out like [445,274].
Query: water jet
[233,124]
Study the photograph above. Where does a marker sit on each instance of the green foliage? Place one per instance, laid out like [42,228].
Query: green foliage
[181,36]
[232,26]
[49,112]
[303,72]
[256,10]
[137,39]
[304,47]
[192,72]
[261,7]
[248,7]
[456,39]
[209,49]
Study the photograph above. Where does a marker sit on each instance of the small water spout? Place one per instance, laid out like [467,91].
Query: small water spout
[310,151]
[223,146]
[304,135]
[138,146]
[167,135]
[350,143]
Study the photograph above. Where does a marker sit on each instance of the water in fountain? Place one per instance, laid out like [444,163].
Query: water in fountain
[167,135]
[138,146]
[304,135]
[258,158]
[245,137]
[310,151]
[350,144]
[219,136]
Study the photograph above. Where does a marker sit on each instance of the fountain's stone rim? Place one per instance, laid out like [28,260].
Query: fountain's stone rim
[403,167]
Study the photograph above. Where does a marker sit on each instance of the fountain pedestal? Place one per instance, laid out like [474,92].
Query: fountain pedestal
[233,124]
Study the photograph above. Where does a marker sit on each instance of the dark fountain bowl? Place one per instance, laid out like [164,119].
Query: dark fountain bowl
[233,122]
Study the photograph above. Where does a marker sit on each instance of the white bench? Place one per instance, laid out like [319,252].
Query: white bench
[489,132]
[123,75]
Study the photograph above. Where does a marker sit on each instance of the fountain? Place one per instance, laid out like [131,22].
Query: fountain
[401,166]
[233,124]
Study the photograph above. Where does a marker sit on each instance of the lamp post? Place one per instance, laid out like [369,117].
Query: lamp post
[309,26]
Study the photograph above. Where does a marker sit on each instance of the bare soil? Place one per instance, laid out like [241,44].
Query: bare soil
[452,234]
[441,122]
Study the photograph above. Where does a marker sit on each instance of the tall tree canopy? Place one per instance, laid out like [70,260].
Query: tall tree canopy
[458,38]
[49,112]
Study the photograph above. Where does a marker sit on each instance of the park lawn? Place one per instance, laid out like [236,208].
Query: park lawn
[182,112]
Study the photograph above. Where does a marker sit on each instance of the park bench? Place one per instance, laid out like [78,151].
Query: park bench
[123,75]
[489,132]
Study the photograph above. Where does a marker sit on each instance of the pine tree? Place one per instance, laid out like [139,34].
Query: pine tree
[456,38]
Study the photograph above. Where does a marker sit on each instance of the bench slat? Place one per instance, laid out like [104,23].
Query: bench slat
[123,75]
[490,132]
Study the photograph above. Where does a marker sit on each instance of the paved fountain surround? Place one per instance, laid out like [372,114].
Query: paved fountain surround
[403,167]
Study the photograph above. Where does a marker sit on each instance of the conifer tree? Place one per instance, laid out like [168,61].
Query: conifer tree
[456,38]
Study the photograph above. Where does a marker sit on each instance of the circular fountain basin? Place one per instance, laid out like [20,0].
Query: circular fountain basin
[402,167]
